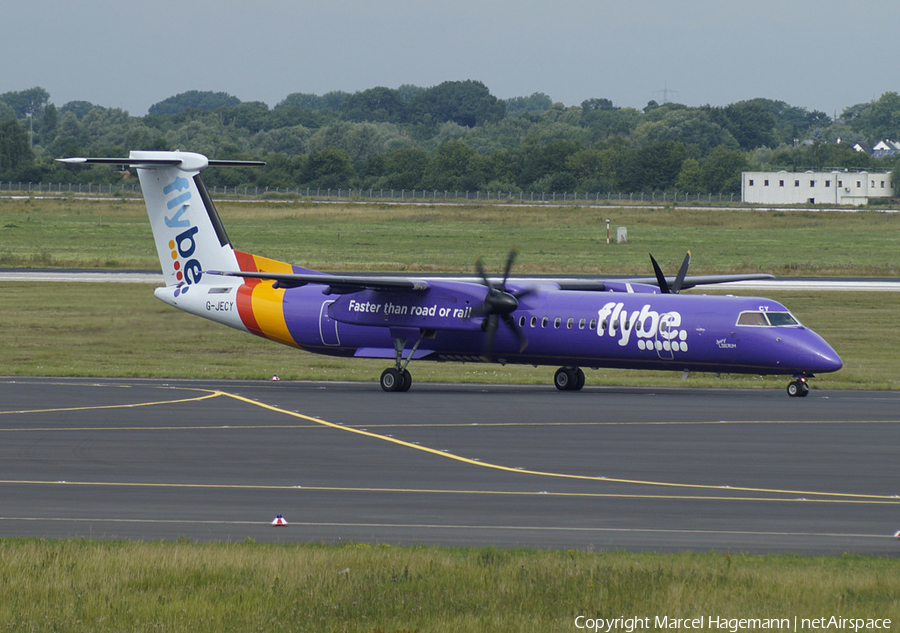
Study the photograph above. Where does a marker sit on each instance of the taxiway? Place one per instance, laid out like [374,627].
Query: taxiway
[606,468]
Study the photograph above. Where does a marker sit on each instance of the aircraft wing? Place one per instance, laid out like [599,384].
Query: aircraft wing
[337,284]
[344,284]
[705,280]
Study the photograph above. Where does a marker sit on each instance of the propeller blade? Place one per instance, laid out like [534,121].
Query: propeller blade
[509,263]
[499,303]
[480,269]
[679,280]
[491,331]
[660,277]
[524,293]
[511,322]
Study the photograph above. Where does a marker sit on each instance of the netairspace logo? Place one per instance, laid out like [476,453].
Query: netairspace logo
[187,271]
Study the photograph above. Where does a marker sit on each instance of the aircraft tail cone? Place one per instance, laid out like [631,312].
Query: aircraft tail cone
[897,535]
[279,521]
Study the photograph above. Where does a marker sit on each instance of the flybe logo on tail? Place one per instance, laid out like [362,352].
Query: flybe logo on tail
[186,267]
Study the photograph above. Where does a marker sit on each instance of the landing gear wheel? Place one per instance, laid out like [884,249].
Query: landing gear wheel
[579,379]
[569,379]
[392,380]
[562,379]
[797,389]
[407,380]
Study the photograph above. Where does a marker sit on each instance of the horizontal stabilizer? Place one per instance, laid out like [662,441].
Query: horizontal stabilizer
[187,160]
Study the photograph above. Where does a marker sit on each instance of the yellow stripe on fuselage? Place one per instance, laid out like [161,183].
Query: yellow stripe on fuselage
[268,303]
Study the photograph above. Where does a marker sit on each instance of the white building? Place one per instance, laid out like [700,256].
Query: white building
[814,187]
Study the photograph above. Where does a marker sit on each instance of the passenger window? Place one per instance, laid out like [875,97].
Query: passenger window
[521,321]
[570,323]
[581,324]
[593,324]
[557,323]
[545,321]
[533,321]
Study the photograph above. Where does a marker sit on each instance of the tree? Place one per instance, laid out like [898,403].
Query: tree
[304,100]
[895,178]
[193,99]
[467,103]
[721,172]
[15,151]
[291,141]
[881,119]
[250,115]
[654,167]
[375,104]
[597,105]
[537,102]
[603,124]
[749,123]
[78,108]
[690,127]
[24,102]
[329,168]
[404,169]
[456,167]
[690,178]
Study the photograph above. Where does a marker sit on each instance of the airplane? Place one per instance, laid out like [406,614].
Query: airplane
[637,323]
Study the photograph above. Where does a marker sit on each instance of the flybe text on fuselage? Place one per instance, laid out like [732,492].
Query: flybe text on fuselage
[183,245]
[651,329]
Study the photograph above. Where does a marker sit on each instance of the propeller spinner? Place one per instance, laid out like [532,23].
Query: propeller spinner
[499,304]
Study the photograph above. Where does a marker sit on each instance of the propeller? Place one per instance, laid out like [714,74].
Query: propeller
[679,279]
[499,304]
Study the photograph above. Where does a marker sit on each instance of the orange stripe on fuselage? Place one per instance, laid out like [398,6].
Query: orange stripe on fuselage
[260,306]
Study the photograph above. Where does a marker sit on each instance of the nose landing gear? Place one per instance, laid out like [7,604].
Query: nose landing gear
[798,388]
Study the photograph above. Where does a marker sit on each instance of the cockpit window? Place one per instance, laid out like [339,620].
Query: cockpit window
[781,319]
[752,318]
[766,318]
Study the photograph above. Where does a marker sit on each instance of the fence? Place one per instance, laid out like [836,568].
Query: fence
[133,189]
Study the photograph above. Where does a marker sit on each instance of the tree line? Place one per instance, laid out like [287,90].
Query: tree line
[454,136]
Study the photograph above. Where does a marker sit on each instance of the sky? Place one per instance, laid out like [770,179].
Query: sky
[819,55]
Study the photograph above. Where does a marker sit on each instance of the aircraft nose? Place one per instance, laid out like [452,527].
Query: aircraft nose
[821,357]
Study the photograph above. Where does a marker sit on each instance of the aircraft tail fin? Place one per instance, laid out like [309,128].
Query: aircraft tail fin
[186,227]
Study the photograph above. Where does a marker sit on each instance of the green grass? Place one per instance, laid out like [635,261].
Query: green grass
[87,586]
[116,234]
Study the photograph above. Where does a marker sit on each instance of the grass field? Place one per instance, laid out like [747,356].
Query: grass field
[86,586]
[341,237]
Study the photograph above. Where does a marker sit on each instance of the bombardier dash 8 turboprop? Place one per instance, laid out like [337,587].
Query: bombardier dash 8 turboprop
[641,323]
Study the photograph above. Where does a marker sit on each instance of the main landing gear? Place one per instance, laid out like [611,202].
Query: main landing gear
[569,379]
[398,378]
[393,379]
[798,388]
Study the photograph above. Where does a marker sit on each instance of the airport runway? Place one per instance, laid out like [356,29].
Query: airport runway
[603,469]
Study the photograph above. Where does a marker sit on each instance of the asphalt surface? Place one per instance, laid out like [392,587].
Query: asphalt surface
[603,469]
